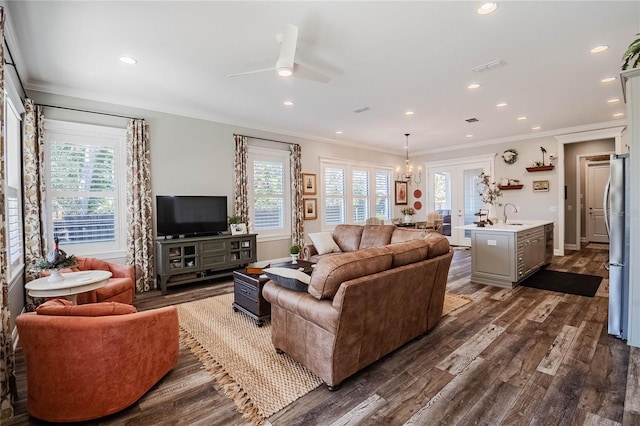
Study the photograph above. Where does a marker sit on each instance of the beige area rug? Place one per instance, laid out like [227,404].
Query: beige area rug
[241,357]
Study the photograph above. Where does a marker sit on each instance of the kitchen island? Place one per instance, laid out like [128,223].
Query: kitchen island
[505,254]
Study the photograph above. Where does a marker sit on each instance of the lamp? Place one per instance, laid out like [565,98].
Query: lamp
[408,175]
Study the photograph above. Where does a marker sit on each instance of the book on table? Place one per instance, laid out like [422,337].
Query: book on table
[256,268]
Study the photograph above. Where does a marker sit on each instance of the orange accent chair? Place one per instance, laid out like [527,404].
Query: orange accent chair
[121,287]
[88,361]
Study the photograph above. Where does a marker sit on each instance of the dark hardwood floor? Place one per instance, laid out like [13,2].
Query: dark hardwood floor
[511,357]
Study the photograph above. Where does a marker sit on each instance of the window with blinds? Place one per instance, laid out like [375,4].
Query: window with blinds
[269,193]
[13,190]
[85,186]
[353,192]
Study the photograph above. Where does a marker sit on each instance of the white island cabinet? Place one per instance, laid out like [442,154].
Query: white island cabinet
[503,255]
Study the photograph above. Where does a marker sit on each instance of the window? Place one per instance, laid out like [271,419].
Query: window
[86,187]
[13,172]
[269,193]
[354,192]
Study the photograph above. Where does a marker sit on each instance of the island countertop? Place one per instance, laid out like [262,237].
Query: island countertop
[515,225]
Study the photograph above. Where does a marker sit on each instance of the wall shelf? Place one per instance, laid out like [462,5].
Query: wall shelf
[508,187]
[540,168]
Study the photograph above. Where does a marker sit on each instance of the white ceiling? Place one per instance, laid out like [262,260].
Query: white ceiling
[388,56]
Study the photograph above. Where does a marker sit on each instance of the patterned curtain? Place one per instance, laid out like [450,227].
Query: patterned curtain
[241,178]
[140,252]
[7,378]
[297,210]
[34,189]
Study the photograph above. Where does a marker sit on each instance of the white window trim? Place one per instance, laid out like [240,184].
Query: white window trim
[349,166]
[276,154]
[117,138]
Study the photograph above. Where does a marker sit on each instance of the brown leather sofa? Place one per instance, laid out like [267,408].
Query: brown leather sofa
[361,305]
[350,238]
[88,361]
[121,287]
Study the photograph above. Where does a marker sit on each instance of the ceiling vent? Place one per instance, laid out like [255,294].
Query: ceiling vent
[471,120]
[489,66]
[361,109]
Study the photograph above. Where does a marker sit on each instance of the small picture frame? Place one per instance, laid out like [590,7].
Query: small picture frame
[238,228]
[401,193]
[309,184]
[540,186]
[310,208]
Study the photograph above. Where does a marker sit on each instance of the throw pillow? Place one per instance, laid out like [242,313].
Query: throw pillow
[63,307]
[324,243]
[292,279]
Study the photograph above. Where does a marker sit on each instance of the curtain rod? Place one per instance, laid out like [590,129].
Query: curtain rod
[12,63]
[263,139]
[90,112]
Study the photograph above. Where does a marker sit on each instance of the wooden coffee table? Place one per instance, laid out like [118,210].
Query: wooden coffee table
[247,291]
[73,284]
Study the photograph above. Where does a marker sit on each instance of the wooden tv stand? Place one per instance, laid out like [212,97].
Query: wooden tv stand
[189,260]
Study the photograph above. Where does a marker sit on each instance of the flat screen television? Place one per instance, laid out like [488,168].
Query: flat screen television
[190,216]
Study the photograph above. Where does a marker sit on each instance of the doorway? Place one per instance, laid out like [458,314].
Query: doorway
[453,192]
[596,177]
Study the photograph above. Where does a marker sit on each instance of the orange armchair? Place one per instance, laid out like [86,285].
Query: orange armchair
[121,287]
[88,361]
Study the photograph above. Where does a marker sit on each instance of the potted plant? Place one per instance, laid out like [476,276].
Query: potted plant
[632,55]
[234,220]
[55,260]
[408,213]
[294,251]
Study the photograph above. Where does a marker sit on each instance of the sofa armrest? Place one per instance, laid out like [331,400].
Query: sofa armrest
[122,271]
[309,250]
[319,312]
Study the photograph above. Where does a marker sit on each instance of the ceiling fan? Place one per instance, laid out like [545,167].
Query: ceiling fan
[286,65]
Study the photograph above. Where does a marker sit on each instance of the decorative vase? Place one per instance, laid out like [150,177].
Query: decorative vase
[55,276]
[294,258]
[493,214]
[408,218]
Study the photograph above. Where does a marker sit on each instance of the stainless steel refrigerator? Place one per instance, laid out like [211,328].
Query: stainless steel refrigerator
[617,217]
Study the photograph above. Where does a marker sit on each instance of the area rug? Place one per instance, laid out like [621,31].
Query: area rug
[241,358]
[564,282]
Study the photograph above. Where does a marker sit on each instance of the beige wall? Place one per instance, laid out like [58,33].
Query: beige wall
[195,157]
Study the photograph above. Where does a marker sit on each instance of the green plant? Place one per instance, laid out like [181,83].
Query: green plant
[632,54]
[235,220]
[408,211]
[294,249]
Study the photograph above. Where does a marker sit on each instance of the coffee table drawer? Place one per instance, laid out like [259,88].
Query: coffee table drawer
[247,291]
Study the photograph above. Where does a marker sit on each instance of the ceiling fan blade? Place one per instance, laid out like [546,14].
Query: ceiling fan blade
[251,72]
[300,71]
[288,49]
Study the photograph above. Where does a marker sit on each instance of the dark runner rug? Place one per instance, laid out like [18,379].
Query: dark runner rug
[564,282]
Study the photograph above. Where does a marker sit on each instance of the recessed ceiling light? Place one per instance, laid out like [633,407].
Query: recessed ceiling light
[468,136]
[618,114]
[409,113]
[487,8]
[128,60]
[339,132]
[613,101]
[501,105]
[473,86]
[287,103]
[536,128]
[608,80]
[599,49]
[524,117]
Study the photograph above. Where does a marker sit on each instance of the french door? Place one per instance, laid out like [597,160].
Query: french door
[454,193]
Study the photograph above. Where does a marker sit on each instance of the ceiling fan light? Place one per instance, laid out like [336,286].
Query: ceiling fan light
[285,72]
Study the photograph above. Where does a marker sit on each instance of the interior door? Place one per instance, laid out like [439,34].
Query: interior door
[453,192]
[595,181]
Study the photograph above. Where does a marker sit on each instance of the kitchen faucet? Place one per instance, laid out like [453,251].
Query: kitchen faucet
[515,210]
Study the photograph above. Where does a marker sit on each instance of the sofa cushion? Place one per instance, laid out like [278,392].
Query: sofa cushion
[348,236]
[438,243]
[409,252]
[292,279]
[64,307]
[324,243]
[407,234]
[376,235]
[331,271]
